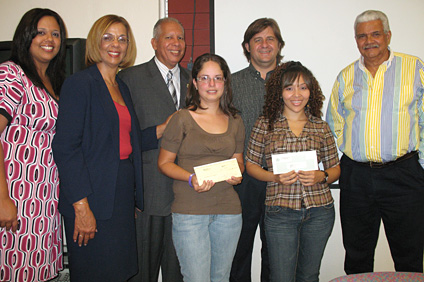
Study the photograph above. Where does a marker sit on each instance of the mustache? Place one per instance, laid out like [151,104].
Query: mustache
[371,46]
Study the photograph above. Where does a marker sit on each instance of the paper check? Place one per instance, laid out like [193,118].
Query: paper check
[219,171]
[306,160]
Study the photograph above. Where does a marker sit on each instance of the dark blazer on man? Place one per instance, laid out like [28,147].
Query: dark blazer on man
[86,144]
[153,104]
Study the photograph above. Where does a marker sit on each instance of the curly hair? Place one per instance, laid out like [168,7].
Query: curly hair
[284,76]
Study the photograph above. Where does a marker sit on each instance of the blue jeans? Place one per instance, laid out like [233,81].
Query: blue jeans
[296,241]
[252,197]
[206,245]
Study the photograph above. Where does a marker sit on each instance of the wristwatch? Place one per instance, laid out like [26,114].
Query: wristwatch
[325,178]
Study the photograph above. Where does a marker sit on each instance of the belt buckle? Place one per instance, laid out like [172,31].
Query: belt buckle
[376,165]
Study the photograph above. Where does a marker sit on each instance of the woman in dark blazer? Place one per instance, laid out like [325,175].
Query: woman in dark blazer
[97,148]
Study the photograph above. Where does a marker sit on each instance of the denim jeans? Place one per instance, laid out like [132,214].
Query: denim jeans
[252,197]
[296,241]
[206,245]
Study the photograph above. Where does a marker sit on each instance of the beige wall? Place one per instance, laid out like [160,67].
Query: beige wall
[79,15]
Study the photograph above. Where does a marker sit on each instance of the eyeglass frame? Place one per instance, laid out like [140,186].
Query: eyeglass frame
[207,79]
[122,39]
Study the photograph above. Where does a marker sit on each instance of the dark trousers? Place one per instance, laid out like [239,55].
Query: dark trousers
[393,194]
[111,256]
[252,196]
[156,250]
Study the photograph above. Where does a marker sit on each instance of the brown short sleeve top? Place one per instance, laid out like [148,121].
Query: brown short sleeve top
[195,147]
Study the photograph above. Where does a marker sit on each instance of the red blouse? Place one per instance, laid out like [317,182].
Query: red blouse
[125,148]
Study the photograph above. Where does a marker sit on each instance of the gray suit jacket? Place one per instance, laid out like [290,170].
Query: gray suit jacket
[153,104]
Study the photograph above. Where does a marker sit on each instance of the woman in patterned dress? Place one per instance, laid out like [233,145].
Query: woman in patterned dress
[30,229]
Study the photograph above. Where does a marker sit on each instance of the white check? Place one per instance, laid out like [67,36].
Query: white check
[218,171]
[306,160]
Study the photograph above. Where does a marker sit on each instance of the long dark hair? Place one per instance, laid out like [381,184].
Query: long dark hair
[226,101]
[25,32]
[283,76]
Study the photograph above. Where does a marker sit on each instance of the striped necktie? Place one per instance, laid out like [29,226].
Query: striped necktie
[171,88]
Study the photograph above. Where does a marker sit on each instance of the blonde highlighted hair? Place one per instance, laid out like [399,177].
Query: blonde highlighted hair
[94,38]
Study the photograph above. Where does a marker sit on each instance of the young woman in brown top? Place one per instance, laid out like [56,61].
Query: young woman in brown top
[206,216]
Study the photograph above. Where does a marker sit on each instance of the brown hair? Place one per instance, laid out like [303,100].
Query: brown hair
[284,76]
[258,26]
[92,52]
[226,101]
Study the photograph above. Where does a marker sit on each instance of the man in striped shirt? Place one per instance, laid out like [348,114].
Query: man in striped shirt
[376,114]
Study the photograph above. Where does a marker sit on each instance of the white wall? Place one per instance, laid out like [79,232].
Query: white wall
[332,262]
[79,16]
[317,33]
[320,35]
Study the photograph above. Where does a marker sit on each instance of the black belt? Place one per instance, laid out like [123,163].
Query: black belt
[381,165]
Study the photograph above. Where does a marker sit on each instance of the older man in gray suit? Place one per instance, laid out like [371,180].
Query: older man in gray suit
[158,89]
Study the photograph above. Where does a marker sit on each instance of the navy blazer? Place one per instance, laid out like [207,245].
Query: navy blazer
[86,144]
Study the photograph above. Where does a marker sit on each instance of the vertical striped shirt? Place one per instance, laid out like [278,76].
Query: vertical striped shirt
[175,76]
[379,118]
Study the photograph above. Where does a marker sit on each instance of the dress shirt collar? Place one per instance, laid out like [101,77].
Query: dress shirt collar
[256,73]
[164,70]
[387,63]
